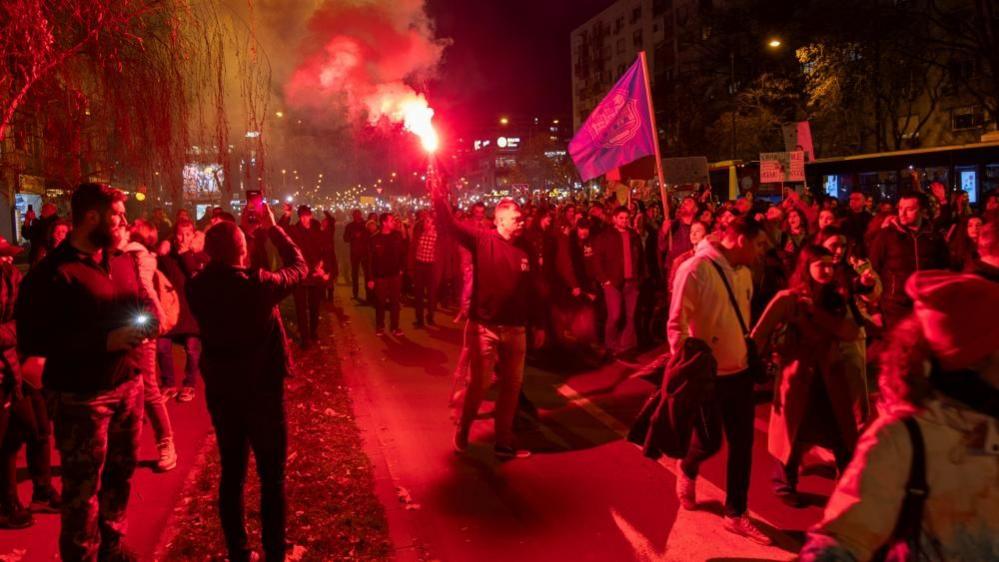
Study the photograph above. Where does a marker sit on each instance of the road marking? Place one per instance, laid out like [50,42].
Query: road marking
[669,464]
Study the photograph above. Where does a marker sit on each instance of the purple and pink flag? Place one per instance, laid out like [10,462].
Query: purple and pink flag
[618,131]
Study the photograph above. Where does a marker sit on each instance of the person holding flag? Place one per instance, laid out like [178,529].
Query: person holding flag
[621,129]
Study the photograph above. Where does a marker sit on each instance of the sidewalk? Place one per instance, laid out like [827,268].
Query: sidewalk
[153,494]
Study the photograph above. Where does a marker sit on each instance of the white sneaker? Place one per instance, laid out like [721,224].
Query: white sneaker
[743,526]
[168,455]
[686,491]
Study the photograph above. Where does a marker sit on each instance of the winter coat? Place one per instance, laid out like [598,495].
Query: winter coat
[608,248]
[961,513]
[310,242]
[898,252]
[243,338]
[666,423]
[810,348]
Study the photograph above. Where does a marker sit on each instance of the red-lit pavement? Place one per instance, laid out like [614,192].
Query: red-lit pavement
[585,494]
[153,497]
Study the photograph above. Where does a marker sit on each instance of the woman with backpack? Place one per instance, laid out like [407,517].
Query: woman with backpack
[142,238]
[924,482]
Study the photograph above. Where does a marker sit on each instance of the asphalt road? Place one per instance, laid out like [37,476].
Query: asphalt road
[585,494]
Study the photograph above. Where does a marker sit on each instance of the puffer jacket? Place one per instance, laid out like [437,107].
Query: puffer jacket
[961,514]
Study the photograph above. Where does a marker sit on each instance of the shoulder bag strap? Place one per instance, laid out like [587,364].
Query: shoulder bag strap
[731,297]
[910,518]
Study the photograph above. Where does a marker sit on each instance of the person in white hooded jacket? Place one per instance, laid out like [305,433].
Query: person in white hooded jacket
[141,239]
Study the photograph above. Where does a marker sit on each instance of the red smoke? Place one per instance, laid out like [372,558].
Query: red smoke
[364,57]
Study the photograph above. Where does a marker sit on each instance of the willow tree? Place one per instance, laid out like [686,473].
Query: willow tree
[118,89]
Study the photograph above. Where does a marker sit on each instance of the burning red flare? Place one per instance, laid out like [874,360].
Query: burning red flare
[400,104]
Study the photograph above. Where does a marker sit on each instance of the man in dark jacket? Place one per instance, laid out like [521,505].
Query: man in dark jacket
[180,266]
[619,268]
[499,313]
[357,237]
[245,361]
[905,245]
[308,235]
[856,223]
[87,319]
[386,260]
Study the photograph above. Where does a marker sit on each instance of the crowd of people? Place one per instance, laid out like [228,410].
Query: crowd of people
[861,317]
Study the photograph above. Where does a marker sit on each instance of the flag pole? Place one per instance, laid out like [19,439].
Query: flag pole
[655,134]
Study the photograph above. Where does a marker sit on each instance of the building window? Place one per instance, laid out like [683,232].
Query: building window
[638,38]
[620,46]
[965,118]
[619,24]
[636,14]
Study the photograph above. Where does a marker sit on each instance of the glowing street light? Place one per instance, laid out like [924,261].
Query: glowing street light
[774,43]
[504,121]
[279,114]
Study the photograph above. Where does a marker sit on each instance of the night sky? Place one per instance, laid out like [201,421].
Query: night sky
[507,57]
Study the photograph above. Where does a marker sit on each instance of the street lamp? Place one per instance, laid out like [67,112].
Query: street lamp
[774,43]
[504,121]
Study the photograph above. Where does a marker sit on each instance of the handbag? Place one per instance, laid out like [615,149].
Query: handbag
[904,543]
[756,367]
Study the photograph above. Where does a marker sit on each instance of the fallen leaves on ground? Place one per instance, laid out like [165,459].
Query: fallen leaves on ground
[333,513]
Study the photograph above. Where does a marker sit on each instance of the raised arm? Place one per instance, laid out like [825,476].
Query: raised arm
[442,211]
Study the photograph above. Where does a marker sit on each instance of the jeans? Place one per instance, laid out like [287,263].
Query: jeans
[307,301]
[733,404]
[97,435]
[621,303]
[154,401]
[499,348]
[388,293]
[246,419]
[426,282]
[164,356]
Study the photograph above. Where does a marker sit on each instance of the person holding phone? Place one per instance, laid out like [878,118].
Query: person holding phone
[245,359]
[78,314]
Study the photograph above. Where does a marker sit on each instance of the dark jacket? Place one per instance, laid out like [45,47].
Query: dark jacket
[311,243]
[574,262]
[243,338]
[671,415]
[355,234]
[386,254]
[502,287]
[855,227]
[65,310]
[10,365]
[609,262]
[897,252]
[179,269]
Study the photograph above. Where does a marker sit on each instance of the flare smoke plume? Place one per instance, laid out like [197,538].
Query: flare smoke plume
[366,58]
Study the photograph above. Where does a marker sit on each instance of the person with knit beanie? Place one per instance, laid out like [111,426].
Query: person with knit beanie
[941,370]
